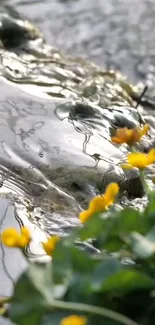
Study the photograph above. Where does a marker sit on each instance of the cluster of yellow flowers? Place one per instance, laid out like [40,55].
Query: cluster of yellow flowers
[129,136]
[12,238]
[134,159]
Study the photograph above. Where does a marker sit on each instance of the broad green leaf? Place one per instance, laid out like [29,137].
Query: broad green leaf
[75,266]
[103,271]
[61,263]
[74,259]
[111,243]
[80,289]
[55,317]
[92,228]
[117,224]
[127,280]
[128,220]
[33,292]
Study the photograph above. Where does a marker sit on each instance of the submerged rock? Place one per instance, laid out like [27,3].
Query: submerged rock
[14,31]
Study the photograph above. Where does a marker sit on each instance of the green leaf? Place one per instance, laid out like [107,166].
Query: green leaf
[76,266]
[142,246]
[55,317]
[112,232]
[116,225]
[70,257]
[61,264]
[80,289]
[92,228]
[33,292]
[112,244]
[127,280]
[128,220]
[102,272]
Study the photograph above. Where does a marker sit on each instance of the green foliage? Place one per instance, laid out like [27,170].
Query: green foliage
[113,287]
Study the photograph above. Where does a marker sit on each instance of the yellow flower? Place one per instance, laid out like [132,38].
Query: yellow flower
[85,215]
[140,160]
[74,320]
[12,238]
[151,156]
[50,244]
[110,193]
[129,136]
[100,203]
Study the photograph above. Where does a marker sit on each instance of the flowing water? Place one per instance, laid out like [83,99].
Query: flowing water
[58,110]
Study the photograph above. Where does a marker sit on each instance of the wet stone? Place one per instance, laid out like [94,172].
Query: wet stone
[14,31]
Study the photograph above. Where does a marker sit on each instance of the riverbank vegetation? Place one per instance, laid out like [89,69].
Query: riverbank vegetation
[112,285]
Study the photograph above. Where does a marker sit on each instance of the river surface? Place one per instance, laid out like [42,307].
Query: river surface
[61,97]
[114,33]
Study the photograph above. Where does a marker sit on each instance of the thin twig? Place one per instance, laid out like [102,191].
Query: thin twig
[141,96]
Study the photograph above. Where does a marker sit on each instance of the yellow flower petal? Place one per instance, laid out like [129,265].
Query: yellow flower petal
[117,140]
[9,237]
[50,244]
[139,160]
[85,215]
[12,238]
[74,320]
[110,193]
[25,237]
[97,204]
[129,136]
[100,203]
[151,156]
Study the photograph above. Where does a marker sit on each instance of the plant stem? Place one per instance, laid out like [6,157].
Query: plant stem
[92,310]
